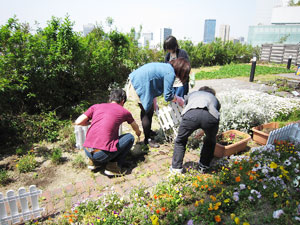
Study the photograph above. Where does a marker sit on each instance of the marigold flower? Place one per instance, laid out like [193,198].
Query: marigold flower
[241,167]
[76,211]
[238,179]
[213,198]
[218,218]
[237,220]
[250,177]
[70,220]
[155,196]
[196,203]
[246,223]
[232,216]
[236,162]
[163,209]
[157,211]
[210,207]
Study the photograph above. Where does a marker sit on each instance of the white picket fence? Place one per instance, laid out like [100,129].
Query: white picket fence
[290,133]
[169,118]
[9,206]
[80,134]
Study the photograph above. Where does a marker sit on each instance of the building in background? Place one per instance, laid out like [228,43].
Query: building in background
[224,32]
[283,26]
[164,33]
[263,13]
[88,28]
[147,38]
[209,30]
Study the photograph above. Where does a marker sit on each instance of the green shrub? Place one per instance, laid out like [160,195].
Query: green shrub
[27,163]
[56,156]
[79,162]
[3,177]
[20,151]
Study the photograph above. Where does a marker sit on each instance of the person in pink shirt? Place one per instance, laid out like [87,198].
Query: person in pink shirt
[103,143]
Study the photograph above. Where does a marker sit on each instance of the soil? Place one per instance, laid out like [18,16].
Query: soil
[49,176]
[268,130]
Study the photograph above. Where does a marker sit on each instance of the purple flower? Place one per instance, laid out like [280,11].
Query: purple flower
[190,222]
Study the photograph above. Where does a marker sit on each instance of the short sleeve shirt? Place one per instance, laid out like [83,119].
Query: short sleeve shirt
[104,130]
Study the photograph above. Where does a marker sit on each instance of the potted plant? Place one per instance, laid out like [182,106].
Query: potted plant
[231,142]
[261,132]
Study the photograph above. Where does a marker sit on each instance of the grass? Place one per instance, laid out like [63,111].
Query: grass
[237,70]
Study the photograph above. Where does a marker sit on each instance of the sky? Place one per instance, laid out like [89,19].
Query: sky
[185,17]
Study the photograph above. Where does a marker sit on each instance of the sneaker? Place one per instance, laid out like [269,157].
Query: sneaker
[176,171]
[91,165]
[112,169]
[152,143]
[202,168]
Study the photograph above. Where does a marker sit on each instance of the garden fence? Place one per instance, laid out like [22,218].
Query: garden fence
[169,118]
[290,132]
[16,208]
[280,53]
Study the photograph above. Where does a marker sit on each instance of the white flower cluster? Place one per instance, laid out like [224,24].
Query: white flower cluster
[243,109]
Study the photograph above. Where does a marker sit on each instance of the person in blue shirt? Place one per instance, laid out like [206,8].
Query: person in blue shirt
[152,80]
[174,52]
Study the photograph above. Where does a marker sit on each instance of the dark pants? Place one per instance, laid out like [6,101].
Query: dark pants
[191,121]
[124,145]
[146,118]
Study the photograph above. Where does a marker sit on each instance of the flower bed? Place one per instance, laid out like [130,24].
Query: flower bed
[261,187]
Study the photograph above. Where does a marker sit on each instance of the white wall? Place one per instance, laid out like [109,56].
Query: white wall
[286,15]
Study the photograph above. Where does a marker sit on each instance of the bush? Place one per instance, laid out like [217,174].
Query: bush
[27,163]
[3,177]
[56,156]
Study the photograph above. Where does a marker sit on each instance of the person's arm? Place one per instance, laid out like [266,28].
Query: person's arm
[82,120]
[136,128]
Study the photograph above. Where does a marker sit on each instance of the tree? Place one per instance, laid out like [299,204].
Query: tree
[293,3]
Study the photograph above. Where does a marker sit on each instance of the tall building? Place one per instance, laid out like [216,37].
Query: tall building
[88,28]
[148,37]
[224,32]
[164,33]
[264,10]
[209,30]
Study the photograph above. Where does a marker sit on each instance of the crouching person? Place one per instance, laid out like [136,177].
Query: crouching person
[201,111]
[103,143]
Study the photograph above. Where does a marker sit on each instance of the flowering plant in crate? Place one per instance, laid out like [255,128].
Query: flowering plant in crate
[229,138]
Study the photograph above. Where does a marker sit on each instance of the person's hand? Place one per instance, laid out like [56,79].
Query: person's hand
[155,105]
[180,101]
[138,133]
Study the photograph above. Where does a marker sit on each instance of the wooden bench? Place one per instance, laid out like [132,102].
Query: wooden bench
[16,208]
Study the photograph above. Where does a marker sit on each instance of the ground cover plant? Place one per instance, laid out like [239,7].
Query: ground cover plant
[264,181]
[239,70]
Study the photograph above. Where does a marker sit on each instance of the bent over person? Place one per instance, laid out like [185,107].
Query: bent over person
[103,143]
[201,111]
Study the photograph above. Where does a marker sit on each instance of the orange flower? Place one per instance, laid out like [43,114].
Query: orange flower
[70,220]
[218,218]
[163,209]
[238,179]
[236,162]
[157,211]
[251,178]
[206,186]
[199,178]
[155,196]
[241,167]
[202,186]
[76,211]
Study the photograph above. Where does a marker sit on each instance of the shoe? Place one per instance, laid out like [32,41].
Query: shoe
[152,144]
[176,171]
[202,168]
[91,165]
[112,169]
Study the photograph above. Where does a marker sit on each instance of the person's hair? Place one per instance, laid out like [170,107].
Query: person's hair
[208,89]
[170,43]
[182,68]
[117,95]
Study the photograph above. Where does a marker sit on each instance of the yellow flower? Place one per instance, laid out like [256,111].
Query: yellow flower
[275,195]
[246,223]
[210,207]
[98,220]
[116,215]
[154,220]
[232,215]
[227,200]
[273,165]
[287,202]
[213,198]
[201,201]
[196,203]
[237,220]
[104,219]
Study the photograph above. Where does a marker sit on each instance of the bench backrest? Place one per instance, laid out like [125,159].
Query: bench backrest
[290,132]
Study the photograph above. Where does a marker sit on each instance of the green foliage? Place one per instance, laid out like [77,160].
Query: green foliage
[292,117]
[79,162]
[27,163]
[56,156]
[4,178]
[239,70]
[218,52]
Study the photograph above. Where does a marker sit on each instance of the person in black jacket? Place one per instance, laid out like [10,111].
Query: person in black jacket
[174,52]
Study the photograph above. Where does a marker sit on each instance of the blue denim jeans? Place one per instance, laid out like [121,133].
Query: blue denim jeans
[124,145]
[191,121]
[182,91]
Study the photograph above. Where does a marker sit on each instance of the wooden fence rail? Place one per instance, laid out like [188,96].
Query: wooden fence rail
[280,53]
